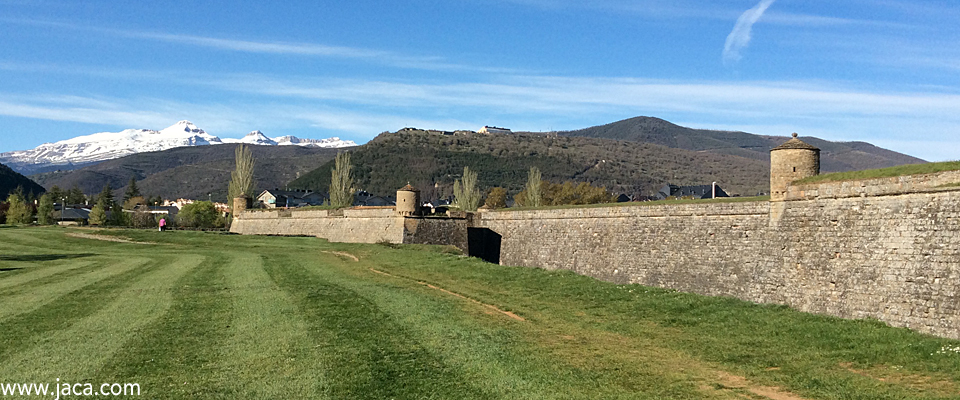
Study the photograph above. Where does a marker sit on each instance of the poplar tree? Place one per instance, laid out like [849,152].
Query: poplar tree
[241,179]
[466,192]
[534,189]
[341,181]
[45,209]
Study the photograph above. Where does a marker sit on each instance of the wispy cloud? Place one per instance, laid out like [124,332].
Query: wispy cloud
[383,57]
[739,38]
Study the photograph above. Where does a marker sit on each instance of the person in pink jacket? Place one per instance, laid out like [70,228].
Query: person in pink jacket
[163,224]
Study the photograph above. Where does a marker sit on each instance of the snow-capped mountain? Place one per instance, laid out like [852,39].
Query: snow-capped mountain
[109,145]
[255,137]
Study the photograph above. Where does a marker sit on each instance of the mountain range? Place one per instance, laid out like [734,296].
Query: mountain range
[85,150]
[634,156]
[834,156]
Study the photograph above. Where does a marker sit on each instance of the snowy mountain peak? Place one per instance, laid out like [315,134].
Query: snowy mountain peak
[109,145]
[257,137]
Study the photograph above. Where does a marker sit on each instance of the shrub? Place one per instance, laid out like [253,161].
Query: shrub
[497,198]
[200,214]
[19,212]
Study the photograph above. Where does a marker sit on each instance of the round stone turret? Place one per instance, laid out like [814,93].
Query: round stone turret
[791,161]
[408,201]
[240,204]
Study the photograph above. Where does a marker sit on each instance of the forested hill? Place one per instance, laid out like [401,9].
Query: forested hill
[835,156]
[10,180]
[424,159]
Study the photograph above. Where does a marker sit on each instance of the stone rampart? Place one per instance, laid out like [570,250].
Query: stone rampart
[352,226]
[873,187]
[894,257]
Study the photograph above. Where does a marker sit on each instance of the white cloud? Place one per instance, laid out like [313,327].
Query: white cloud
[739,37]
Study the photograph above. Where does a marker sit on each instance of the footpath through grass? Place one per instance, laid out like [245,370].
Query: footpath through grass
[209,316]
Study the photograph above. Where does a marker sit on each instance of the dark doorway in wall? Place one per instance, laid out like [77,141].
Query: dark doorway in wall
[484,244]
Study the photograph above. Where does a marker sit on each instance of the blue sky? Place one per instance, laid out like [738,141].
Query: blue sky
[882,71]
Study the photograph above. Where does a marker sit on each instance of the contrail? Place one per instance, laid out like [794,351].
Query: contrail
[739,38]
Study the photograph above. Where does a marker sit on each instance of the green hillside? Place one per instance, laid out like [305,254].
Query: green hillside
[835,156]
[424,159]
[10,180]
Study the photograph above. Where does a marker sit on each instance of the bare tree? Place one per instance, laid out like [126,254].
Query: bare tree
[341,194]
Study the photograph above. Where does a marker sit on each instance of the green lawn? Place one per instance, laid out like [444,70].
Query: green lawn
[901,170]
[205,315]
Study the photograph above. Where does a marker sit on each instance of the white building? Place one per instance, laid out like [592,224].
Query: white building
[490,130]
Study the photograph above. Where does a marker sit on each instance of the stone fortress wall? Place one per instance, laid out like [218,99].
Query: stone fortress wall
[886,248]
[895,257]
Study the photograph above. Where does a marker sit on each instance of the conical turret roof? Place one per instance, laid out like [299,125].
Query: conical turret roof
[409,188]
[795,143]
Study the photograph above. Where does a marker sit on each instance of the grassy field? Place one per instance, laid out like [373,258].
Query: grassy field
[203,315]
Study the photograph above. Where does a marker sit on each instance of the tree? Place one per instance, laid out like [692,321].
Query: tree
[106,195]
[132,190]
[76,196]
[199,214]
[465,192]
[56,194]
[98,214]
[534,189]
[341,181]
[19,212]
[117,216]
[497,198]
[45,209]
[241,179]
[133,202]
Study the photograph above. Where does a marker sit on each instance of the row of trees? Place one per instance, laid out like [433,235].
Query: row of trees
[536,193]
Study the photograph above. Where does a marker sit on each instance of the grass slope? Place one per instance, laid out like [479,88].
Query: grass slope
[194,315]
[902,170]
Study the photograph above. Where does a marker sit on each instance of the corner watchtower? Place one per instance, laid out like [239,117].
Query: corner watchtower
[408,201]
[791,161]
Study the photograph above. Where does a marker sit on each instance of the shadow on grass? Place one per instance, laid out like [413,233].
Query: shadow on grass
[44,257]
[9,269]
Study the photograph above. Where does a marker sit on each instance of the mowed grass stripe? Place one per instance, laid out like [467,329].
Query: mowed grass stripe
[32,273]
[178,355]
[269,353]
[86,344]
[366,352]
[22,302]
[33,327]
[39,240]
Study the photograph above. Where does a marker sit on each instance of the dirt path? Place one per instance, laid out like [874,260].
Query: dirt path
[117,239]
[490,306]
[342,254]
